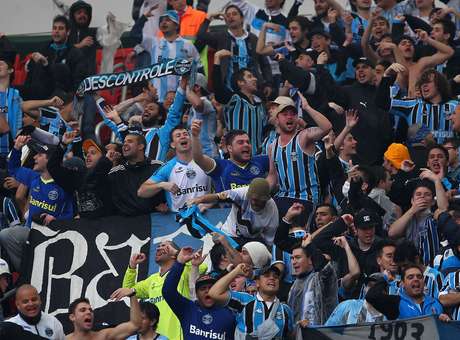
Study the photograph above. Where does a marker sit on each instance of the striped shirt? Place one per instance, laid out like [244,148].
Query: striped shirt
[241,114]
[52,121]
[452,285]
[433,282]
[10,106]
[434,116]
[424,234]
[298,175]
[163,50]
[251,311]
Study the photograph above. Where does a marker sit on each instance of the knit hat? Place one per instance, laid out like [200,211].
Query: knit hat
[259,189]
[396,154]
[258,253]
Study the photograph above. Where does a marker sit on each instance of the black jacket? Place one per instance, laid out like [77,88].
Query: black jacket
[259,65]
[79,32]
[125,179]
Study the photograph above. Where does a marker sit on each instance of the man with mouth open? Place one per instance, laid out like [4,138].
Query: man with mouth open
[31,318]
[411,301]
[200,319]
[81,315]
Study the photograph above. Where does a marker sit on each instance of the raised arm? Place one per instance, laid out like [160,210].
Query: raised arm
[444,52]
[354,271]
[368,52]
[351,119]
[323,124]
[206,163]
[441,196]
[35,104]
[122,331]
[222,93]
[219,291]
[261,47]
[272,177]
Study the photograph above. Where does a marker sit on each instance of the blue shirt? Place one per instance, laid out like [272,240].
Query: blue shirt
[227,175]
[10,106]
[409,309]
[258,312]
[197,322]
[45,195]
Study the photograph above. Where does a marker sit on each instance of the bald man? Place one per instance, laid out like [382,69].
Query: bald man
[32,319]
[82,317]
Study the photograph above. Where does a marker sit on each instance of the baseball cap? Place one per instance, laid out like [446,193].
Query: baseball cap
[87,143]
[259,189]
[202,82]
[75,163]
[4,268]
[40,147]
[266,269]
[258,253]
[283,103]
[204,280]
[366,219]
[375,277]
[172,15]
[363,60]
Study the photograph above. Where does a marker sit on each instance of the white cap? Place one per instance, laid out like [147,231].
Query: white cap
[4,268]
[258,253]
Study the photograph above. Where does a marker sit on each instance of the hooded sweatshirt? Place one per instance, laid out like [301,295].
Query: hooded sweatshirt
[79,32]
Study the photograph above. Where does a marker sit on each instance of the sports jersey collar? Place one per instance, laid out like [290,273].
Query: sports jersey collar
[46,181]
[243,37]
[182,162]
[239,166]
[272,13]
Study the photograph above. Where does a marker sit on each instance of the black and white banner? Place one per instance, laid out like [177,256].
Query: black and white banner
[106,81]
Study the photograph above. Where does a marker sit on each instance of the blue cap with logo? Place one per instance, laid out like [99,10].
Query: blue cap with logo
[172,15]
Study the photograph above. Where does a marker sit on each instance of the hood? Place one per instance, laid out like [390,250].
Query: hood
[79,5]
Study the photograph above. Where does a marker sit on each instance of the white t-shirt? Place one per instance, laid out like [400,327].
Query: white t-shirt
[245,222]
[190,178]
[49,327]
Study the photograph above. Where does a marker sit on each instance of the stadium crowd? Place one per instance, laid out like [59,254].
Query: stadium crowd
[332,138]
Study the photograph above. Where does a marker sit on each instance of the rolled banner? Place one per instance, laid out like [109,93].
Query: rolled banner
[98,82]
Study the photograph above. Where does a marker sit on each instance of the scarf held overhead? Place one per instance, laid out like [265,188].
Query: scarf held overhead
[98,82]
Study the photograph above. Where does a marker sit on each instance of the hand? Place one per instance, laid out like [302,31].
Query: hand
[222,54]
[376,13]
[68,137]
[422,35]
[198,258]
[113,156]
[337,108]
[304,102]
[306,240]
[136,259]
[149,13]
[196,127]
[185,255]
[419,205]
[171,187]
[120,293]
[162,208]
[457,78]
[428,174]
[243,269]
[289,46]
[400,18]
[394,69]
[347,18]
[341,241]
[385,45]
[55,101]
[21,141]
[348,219]
[10,183]
[353,173]
[322,58]
[332,15]
[39,58]
[216,16]
[87,41]
[218,238]
[112,114]
[295,210]
[272,26]
[193,201]
[351,118]
[135,120]
[407,165]
[303,323]
[279,57]
[47,218]
[142,97]
[184,82]
[444,317]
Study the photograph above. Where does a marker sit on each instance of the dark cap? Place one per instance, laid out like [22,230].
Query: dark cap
[363,60]
[375,277]
[75,163]
[266,269]
[310,52]
[204,280]
[367,219]
[318,32]
[40,147]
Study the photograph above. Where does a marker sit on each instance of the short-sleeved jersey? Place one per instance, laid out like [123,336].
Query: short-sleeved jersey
[190,178]
[228,175]
[451,284]
[251,311]
[243,221]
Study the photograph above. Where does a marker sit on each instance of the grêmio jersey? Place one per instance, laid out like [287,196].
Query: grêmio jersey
[227,175]
[189,177]
[45,195]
